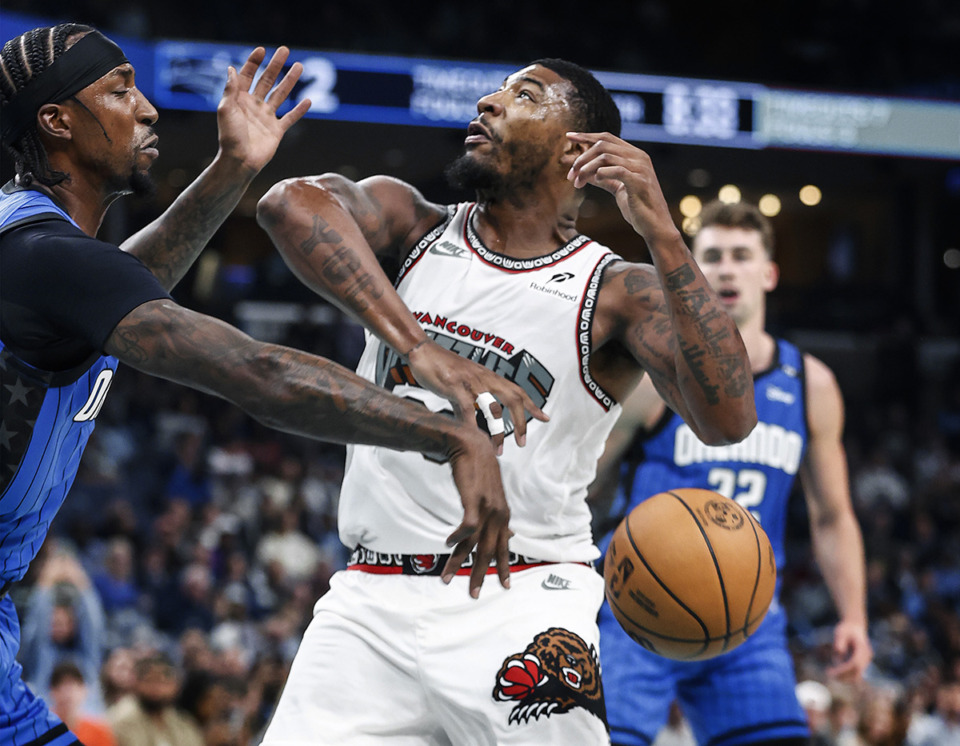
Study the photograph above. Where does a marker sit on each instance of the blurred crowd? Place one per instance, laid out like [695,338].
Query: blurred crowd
[185,563]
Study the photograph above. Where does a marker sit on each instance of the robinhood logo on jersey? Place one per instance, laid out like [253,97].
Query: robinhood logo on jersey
[553,287]
[520,367]
[769,445]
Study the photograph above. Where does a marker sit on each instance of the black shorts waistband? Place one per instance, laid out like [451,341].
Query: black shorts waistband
[430,565]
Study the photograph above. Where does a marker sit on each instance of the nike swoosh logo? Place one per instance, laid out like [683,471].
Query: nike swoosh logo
[556,583]
[448,250]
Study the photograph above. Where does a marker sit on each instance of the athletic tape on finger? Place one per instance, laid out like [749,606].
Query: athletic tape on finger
[495,425]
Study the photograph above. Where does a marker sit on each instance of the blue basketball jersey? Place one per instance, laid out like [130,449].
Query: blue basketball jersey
[747,694]
[45,421]
[758,472]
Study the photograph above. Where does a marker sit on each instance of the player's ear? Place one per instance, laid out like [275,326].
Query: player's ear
[771,276]
[571,151]
[53,120]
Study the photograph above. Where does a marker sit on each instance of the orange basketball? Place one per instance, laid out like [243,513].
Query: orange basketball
[689,574]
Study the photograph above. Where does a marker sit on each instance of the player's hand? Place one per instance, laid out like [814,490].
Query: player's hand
[250,130]
[486,515]
[627,173]
[852,651]
[461,381]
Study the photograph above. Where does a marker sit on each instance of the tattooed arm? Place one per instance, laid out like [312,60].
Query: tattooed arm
[249,133]
[667,315]
[330,231]
[307,395]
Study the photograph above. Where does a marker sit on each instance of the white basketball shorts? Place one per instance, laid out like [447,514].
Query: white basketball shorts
[402,660]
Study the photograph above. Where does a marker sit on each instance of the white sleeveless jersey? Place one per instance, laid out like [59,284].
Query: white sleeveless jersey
[530,321]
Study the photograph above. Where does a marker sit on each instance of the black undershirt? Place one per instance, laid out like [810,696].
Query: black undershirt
[62,292]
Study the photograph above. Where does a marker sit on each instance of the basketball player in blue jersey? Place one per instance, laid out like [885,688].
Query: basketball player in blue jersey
[505,283]
[745,696]
[71,306]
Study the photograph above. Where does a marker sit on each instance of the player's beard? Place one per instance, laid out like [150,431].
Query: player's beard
[526,167]
[470,174]
[141,184]
[136,182]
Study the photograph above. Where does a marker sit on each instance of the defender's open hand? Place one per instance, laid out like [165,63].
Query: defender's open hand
[250,130]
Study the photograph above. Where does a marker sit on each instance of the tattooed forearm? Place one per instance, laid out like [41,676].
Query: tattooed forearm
[322,233]
[708,348]
[680,277]
[171,243]
[344,271]
[694,355]
[281,387]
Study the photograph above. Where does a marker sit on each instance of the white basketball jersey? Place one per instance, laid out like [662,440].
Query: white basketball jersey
[528,320]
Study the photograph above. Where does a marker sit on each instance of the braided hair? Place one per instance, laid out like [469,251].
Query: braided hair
[22,59]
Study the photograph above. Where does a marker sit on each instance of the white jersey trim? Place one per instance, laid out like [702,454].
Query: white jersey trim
[510,264]
[414,256]
[585,333]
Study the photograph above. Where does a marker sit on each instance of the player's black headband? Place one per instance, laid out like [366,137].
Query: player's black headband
[85,62]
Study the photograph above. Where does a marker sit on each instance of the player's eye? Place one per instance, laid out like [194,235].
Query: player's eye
[526,94]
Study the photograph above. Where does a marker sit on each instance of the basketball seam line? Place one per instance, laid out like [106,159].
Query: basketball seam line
[681,604]
[716,566]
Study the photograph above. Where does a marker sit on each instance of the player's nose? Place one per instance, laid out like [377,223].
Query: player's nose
[490,104]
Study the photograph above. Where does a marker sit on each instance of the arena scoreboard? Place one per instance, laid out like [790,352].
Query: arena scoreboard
[444,93]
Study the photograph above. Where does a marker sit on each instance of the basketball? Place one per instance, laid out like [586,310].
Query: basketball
[689,574]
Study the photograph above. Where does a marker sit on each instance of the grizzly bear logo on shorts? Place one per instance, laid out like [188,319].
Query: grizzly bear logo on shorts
[557,672]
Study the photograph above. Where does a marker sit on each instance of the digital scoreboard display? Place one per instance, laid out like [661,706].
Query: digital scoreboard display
[444,93]
[438,93]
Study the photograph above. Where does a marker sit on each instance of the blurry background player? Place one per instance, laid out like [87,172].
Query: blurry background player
[746,696]
[508,282]
[81,134]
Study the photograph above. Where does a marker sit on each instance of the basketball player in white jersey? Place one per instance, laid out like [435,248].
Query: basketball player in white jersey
[503,288]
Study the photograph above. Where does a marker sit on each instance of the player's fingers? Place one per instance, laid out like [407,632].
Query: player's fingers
[457,557]
[503,557]
[468,527]
[295,114]
[231,85]
[479,572]
[603,166]
[250,67]
[591,138]
[491,411]
[271,72]
[279,94]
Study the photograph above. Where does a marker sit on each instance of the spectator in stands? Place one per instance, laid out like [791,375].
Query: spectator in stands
[153,717]
[117,676]
[943,727]
[68,692]
[289,553]
[64,622]
[189,603]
